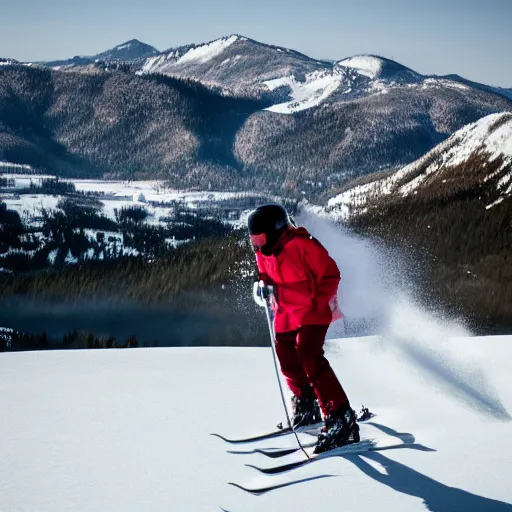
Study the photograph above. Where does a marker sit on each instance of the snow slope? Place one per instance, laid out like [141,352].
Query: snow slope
[129,429]
[318,86]
[366,65]
[206,52]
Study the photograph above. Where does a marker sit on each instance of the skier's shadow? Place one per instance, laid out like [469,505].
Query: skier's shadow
[437,497]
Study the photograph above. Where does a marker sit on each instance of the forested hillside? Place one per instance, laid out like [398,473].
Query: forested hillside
[453,208]
[115,123]
[308,133]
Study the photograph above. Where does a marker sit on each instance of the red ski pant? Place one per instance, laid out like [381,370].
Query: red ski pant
[305,368]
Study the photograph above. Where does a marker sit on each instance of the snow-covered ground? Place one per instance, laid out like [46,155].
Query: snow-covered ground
[153,195]
[129,429]
[318,86]
[206,52]
[11,166]
[366,65]
[197,54]
[151,190]
[30,204]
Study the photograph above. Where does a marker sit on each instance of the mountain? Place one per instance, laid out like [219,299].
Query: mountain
[243,66]
[450,213]
[90,124]
[131,51]
[477,157]
[500,90]
[236,63]
[302,125]
[7,62]
[375,126]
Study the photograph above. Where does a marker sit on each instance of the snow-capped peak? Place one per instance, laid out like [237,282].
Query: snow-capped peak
[123,47]
[129,44]
[492,134]
[366,65]
[7,62]
[490,137]
[204,53]
[130,50]
[379,68]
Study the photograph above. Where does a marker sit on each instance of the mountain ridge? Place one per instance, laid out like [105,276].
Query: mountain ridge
[244,66]
[131,50]
[345,119]
[450,212]
[488,141]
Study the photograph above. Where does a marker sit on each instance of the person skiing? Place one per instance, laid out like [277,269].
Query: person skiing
[305,280]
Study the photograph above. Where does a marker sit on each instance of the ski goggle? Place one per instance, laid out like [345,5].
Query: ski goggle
[258,241]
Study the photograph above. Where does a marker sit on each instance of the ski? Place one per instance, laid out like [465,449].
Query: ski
[273,453]
[366,445]
[258,491]
[261,437]
[311,430]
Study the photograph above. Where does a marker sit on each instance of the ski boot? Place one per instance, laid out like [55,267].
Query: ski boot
[340,429]
[365,414]
[305,411]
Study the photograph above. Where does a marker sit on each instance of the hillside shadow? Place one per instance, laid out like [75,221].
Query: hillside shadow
[437,497]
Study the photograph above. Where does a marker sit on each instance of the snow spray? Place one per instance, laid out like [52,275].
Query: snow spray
[377,297]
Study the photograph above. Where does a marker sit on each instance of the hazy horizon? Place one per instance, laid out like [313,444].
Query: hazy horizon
[467,38]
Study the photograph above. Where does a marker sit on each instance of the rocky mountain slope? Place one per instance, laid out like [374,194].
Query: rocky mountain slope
[452,208]
[476,158]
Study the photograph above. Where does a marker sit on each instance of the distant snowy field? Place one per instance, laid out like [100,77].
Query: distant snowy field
[154,196]
[129,429]
[118,194]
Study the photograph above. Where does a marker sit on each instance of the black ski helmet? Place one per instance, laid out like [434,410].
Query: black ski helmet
[266,224]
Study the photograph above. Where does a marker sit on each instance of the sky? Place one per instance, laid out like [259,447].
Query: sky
[472,38]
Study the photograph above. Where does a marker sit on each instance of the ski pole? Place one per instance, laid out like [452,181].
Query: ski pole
[260,299]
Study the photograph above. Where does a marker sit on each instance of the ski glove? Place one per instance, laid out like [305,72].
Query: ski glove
[263,293]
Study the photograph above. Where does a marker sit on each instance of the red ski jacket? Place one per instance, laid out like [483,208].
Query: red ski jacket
[305,280]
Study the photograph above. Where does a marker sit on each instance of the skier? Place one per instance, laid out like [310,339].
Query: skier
[305,281]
